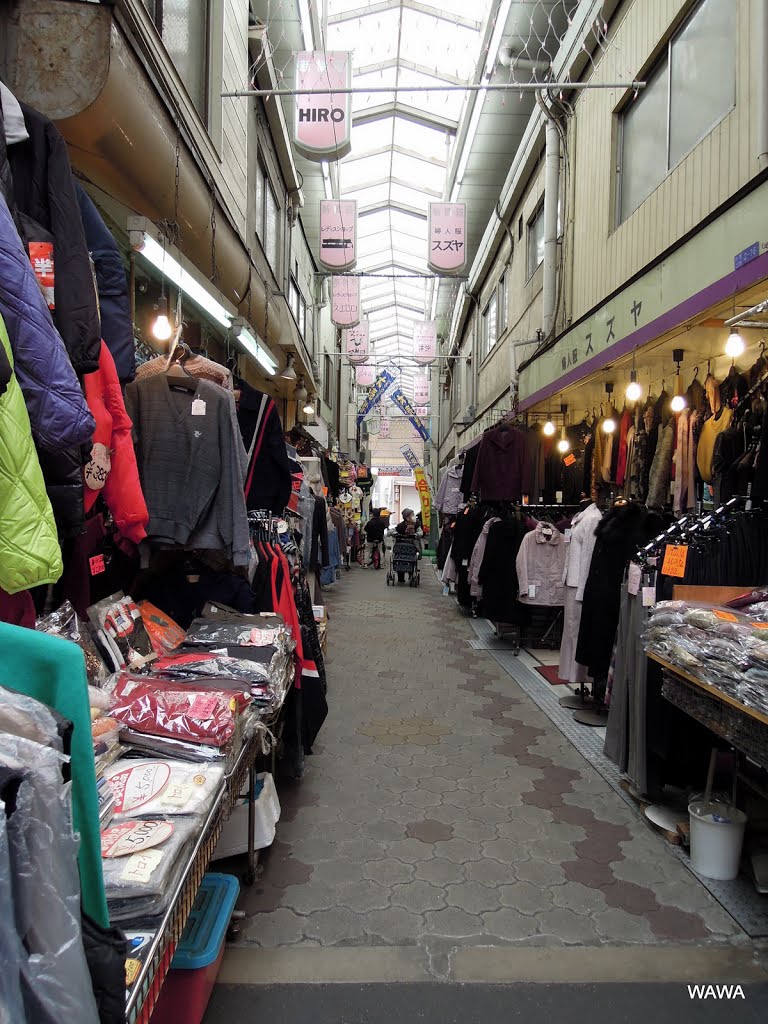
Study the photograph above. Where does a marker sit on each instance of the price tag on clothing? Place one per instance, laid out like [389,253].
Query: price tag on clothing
[198,407]
[649,597]
[465,562]
[569,459]
[634,578]
[532,590]
[558,497]
[97,565]
[675,557]
[202,706]
[131,837]
[567,535]
[139,866]
[133,787]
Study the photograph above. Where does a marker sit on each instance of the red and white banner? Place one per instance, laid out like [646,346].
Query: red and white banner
[356,342]
[338,234]
[345,301]
[424,341]
[384,424]
[421,389]
[365,375]
[447,237]
[323,126]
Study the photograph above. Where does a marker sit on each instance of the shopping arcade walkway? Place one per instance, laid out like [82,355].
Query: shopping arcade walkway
[443,812]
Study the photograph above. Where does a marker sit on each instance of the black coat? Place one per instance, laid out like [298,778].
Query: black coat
[619,534]
[319,558]
[498,573]
[268,477]
[44,194]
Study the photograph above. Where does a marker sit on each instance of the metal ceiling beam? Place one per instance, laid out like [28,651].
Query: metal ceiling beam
[408,113]
[361,12]
[383,150]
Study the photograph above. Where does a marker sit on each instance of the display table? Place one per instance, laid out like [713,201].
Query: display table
[743,727]
[145,990]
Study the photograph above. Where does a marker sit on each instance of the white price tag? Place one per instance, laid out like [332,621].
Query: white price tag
[139,866]
[532,590]
[465,562]
[198,407]
[567,536]
[649,597]
[176,796]
[558,497]
[634,578]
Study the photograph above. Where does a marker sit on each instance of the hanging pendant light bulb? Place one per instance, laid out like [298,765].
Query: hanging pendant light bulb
[634,391]
[549,427]
[735,345]
[563,444]
[161,328]
[678,399]
[309,407]
[609,423]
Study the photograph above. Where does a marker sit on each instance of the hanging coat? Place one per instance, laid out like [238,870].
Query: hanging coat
[268,475]
[540,565]
[498,573]
[29,549]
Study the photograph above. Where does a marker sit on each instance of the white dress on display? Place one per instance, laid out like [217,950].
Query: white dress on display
[578,556]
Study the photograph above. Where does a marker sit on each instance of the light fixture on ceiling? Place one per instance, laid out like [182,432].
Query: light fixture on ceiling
[161,328]
[609,423]
[563,444]
[499,29]
[309,407]
[254,348]
[160,258]
[634,391]
[549,427]
[289,373]
[300,392]
[305,16]
[735,344]
[678,399]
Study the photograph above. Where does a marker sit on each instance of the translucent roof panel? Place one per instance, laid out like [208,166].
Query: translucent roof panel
[372,136]
[365,170]
[459,8]
[418,138]
[372,38]
[373,80]
[413,196]
[444,104]
[436,43]
[367,196]
[408,223]
[410,168]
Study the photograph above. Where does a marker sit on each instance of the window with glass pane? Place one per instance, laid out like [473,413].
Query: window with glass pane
[702,75]
[536,241]
[259,199]
[490,326]
[272,226]
[503,303]
[183,27]
[456,391]
[644,142]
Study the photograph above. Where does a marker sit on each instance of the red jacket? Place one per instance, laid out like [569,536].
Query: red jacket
[113,459]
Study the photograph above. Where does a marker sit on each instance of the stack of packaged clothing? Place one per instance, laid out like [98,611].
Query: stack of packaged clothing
[721,646]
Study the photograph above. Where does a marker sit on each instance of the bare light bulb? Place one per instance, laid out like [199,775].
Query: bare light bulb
[161,328]
[308,408]
[735,344]
[634,391]
[609,426]
[549,428]
[678,403]
[563,445]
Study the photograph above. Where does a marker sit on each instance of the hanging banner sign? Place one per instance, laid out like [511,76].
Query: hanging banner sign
[424,341]
[365,375]
[425,498]
[447,237]
[323,125]
[410,456]
[345,301]
[384,425]
[338,234]
[402,402]
[421,389]
[356,343]
[384,379]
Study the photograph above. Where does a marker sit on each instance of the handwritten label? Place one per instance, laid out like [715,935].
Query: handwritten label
[139,866]
[649,597]
[198,407]
[569,459]
[41,257]
[202,707]
[634,578]
[134,787]
[97,470]
[130,837]
[675,557]
[97,565]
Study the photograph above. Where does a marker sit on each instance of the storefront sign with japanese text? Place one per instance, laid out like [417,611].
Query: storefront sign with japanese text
[323,124]
[356,342]
[421,389]
[345,301]
[424,341]
[447,237]
[365,374]
[338,234]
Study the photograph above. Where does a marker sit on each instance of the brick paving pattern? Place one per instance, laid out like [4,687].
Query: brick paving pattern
[443,809]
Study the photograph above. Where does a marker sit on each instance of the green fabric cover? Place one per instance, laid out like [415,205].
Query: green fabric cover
[52,671]
[29,547]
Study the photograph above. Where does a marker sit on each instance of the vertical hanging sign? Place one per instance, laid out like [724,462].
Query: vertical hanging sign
[322,128]
[447,237]
[384,427]
[356,343]
[365,374]
[345,301]
[421,389]
[424,341]
[338,234]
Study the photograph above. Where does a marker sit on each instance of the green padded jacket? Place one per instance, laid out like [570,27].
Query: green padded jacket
[29,547]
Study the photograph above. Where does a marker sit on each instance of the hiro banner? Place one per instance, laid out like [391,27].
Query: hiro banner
[384,379]
[403,403]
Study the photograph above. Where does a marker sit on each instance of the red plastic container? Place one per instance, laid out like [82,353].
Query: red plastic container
[195,966]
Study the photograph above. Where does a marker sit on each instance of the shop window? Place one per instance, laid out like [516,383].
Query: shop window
[681,104]
[536,241]
[267,216]
[328,380]
[184,28]
[490,325]
[502,304]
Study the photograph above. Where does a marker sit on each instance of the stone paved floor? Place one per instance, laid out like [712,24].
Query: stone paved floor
[442,809]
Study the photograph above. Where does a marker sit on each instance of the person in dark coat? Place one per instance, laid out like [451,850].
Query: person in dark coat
[45,198]
[112,285]
[619,534]
[268,476]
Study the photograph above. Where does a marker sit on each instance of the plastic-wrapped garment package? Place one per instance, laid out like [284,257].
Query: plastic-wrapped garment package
[140,884]
[145,788]
[55,981]
[24,716]
[11,951]
[66,623]
[223,634]
[160,708]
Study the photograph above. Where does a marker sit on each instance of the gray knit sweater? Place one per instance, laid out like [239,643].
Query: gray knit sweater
[189,466]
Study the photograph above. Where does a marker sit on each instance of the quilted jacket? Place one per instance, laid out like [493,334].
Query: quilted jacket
[58,412]
[29,549]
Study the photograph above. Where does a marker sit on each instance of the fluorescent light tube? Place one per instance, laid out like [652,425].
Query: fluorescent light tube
[167,265]
[498,33]
[306,24]
[262,357]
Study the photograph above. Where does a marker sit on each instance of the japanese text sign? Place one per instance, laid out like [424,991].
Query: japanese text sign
[424,341]
[323,124]
[365,374]
[338,234]
[356,342]
[675,557]
[421,389]
[345,301]
[447,237]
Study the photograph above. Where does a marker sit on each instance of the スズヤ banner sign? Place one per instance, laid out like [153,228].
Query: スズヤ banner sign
[338,234]
[345,301]
[356,342]
[424,341]
[447,237]
[323,124]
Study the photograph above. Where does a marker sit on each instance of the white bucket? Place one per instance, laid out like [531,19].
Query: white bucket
[717,834]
